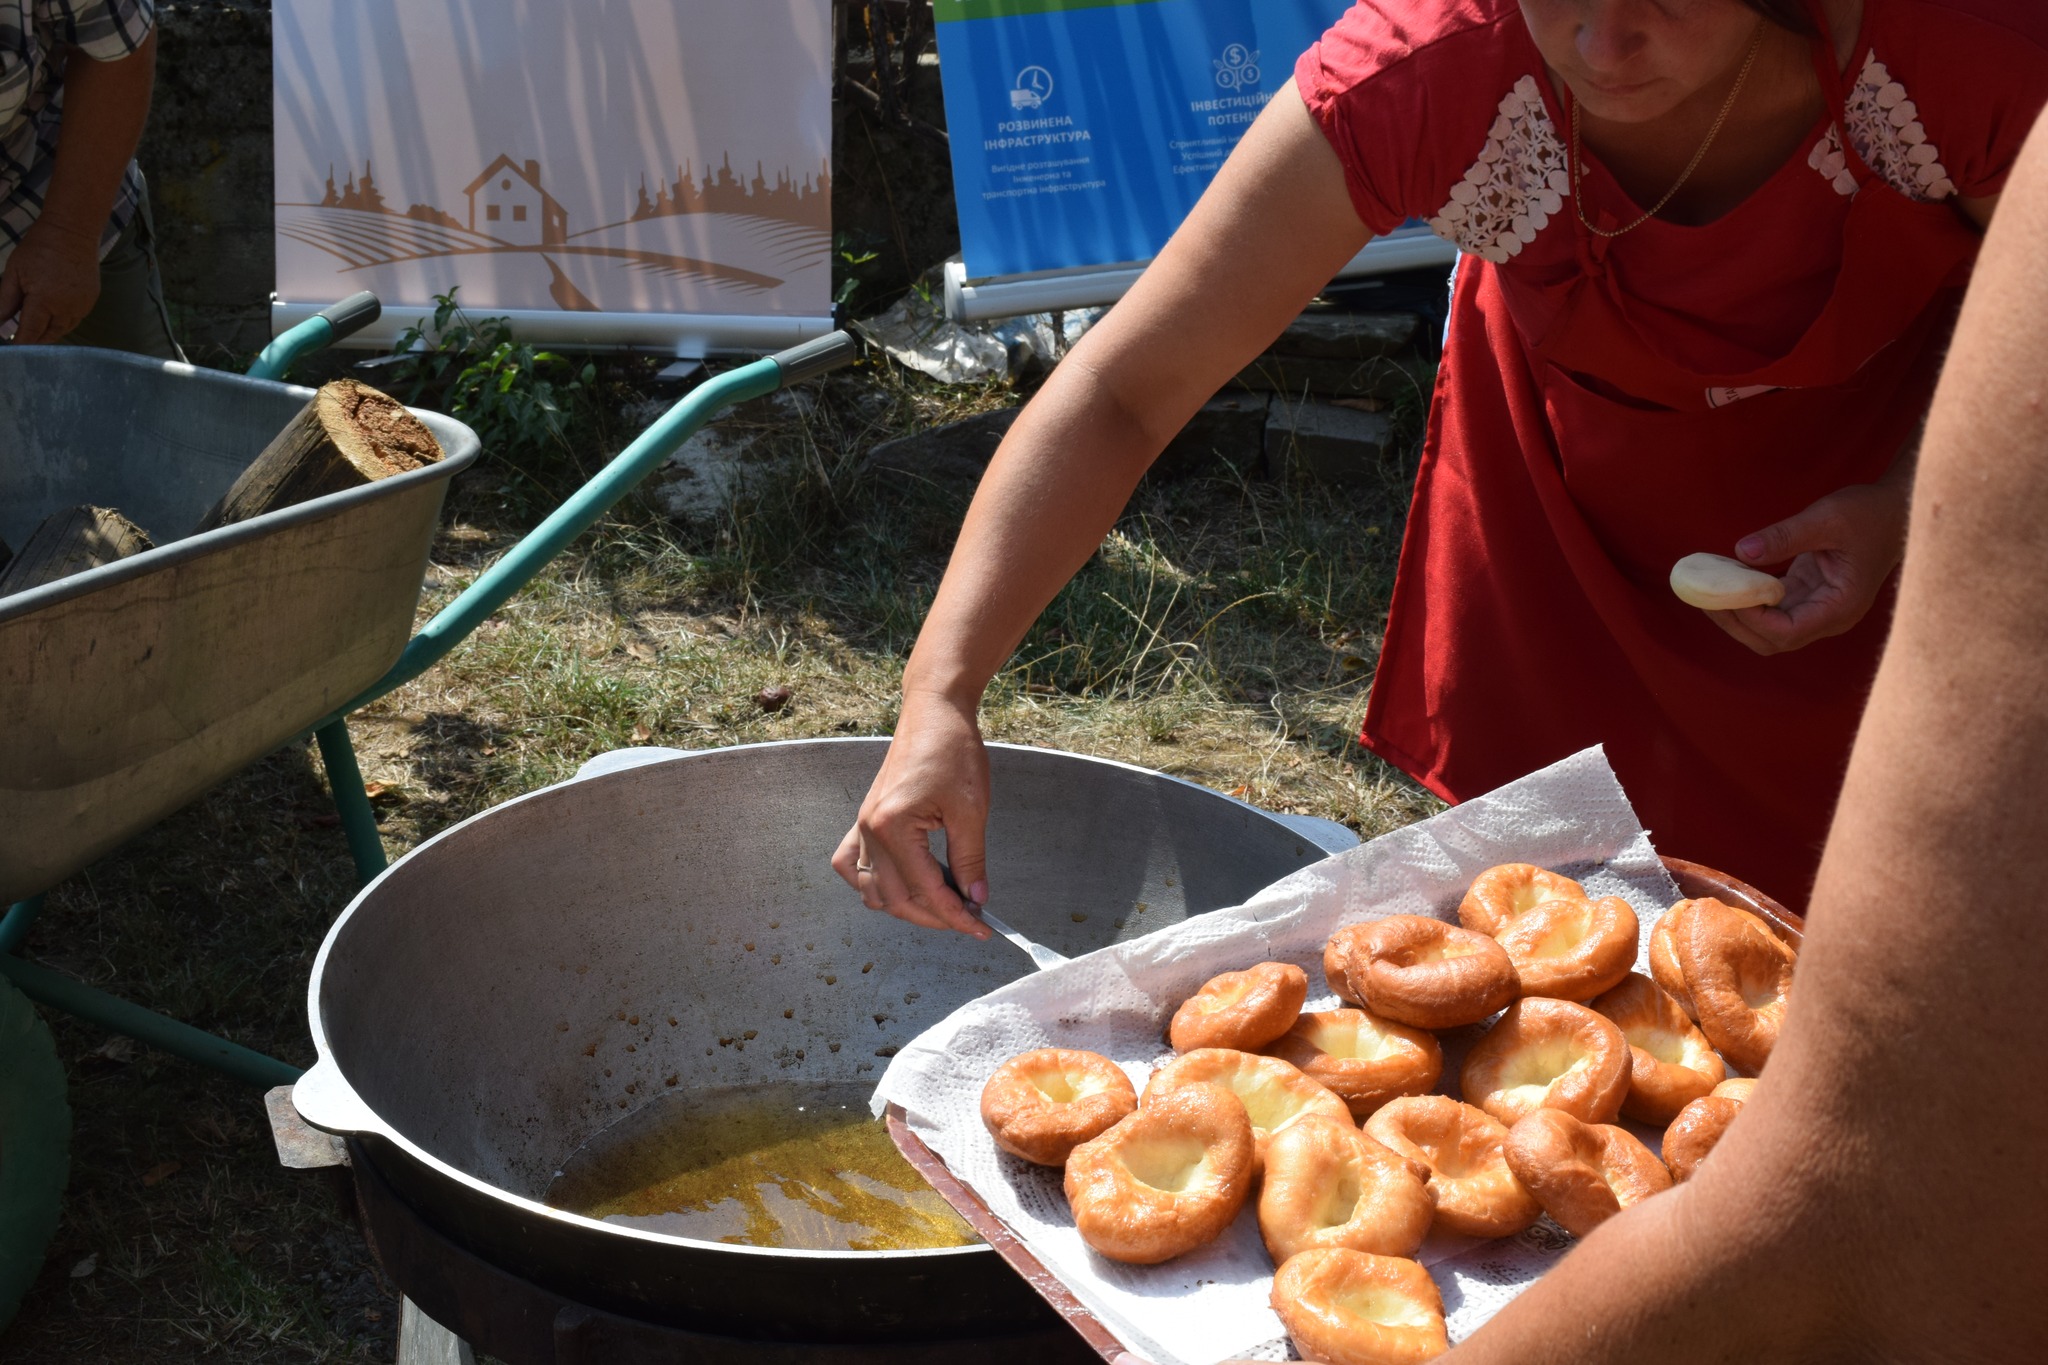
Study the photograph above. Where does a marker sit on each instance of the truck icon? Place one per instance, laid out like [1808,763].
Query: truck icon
[1033,88]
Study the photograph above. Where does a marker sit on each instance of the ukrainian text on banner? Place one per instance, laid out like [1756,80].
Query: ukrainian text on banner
[625,171]
[1084,130]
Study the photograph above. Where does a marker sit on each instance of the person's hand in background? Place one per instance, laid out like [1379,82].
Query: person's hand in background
[1838,553]
[51,281]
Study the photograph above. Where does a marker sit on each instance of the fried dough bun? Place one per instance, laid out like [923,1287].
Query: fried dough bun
[1166,1179]
[1501,895]
[1737,975]
[1582,1173]
[1361,1059]
[1671,1064]
[1040,1105]
[1548,1054]
[1421,971]
[1337,961]
[1696,1130]
[1329,1185]
[1664,964]
[1244,1010]
[1354,1308]
[1273,1093]
[1572,949]
[1664,969]
[1476,1193]
[1737,1088]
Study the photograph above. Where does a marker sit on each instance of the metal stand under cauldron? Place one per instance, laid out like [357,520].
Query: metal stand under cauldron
[458,1303]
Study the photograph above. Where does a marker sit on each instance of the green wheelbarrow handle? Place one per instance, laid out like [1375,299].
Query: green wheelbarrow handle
[497,584]
[323,329]
[582,508]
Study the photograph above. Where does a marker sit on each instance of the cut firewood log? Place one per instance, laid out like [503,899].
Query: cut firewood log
[72,541]
[348,436]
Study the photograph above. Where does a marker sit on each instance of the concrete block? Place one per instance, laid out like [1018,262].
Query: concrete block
[1347,336]
[1230,428]
[956,453]
[1295,377]
[1326,442]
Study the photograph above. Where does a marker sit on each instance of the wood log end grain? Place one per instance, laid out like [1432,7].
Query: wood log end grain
[374,430]
[348,436]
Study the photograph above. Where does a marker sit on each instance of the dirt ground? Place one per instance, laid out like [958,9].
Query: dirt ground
[1225,633]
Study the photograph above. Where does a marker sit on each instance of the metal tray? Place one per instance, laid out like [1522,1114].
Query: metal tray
[1693,880]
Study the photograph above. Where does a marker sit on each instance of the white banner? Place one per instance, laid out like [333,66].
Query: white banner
[614,172]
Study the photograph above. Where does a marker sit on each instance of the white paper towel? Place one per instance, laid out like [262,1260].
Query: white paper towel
[1211,1305]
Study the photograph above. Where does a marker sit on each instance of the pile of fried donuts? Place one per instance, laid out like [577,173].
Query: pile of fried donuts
[1326,1122]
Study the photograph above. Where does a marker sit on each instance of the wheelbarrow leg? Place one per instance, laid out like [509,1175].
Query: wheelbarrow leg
[14,925]
[116,1015]
[351,802]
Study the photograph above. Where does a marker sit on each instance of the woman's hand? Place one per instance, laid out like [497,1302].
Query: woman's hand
[51,282]
[935,777]
[1841,549]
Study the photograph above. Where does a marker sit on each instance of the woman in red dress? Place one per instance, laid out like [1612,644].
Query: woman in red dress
[1711,249]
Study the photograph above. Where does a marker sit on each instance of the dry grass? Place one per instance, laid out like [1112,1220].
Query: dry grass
[1226,634]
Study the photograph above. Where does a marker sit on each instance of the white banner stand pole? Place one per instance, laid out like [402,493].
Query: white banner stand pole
[967,300]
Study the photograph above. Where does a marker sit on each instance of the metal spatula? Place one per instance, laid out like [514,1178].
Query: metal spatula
[1042,957]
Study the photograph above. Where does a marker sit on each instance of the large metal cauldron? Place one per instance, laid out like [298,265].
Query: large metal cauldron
[506,990]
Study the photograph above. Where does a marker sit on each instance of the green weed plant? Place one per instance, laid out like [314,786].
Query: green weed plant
[520,400]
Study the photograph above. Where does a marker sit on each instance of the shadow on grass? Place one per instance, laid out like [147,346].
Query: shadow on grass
[182,1238]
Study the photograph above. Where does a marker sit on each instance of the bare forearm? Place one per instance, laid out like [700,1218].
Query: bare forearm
[1270,231]
[1929,947]
[1882,1196]
[106,105]
[1218,294]
[1051,494]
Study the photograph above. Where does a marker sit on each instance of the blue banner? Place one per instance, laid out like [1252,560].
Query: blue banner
[1084,130]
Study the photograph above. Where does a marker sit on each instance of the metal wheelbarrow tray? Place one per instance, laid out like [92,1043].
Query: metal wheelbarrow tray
[128,690]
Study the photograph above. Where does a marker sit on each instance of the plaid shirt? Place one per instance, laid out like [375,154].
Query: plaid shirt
[34,38]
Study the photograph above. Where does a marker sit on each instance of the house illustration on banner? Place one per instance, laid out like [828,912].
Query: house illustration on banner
[689,231]
[508,203]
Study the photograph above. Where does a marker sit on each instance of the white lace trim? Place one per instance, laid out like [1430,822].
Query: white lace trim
[1884,126]
[1520,179]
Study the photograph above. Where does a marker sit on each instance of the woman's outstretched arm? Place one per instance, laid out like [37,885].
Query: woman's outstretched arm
[1269,233]
[1883,1197]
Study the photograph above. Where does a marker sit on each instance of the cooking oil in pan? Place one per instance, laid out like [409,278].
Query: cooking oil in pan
[801,1167]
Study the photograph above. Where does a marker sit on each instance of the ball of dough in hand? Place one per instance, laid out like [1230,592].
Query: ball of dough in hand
[1718,583]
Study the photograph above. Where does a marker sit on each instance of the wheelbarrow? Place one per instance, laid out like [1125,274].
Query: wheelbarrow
[130,689]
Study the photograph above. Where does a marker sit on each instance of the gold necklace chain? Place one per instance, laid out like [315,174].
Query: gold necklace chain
[1579,156]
